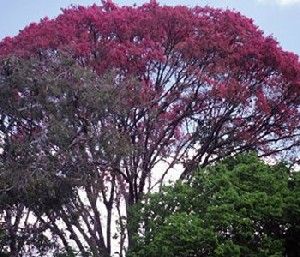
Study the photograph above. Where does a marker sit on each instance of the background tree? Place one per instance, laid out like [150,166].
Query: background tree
[50,179]
[191,85]
[238,207]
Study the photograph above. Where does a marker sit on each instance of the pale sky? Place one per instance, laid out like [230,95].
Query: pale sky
[281,18]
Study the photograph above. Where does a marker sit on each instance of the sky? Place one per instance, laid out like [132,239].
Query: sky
[279,18]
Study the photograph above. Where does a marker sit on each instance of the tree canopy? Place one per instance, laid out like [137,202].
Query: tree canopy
[96,98]
[238,207]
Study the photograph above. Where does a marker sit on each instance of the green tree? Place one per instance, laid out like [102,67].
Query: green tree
[44,137]
[238,207]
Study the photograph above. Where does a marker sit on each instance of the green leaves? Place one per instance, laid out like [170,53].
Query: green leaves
[239,207]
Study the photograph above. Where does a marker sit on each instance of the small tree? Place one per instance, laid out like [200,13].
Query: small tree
[238,207]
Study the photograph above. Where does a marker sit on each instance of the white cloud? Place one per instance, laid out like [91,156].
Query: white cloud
[281,2]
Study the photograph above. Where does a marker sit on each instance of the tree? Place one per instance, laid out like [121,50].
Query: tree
[292,217]
[238,207]
[47,144]
[188,85]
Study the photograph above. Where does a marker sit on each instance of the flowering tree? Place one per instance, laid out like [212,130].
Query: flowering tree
[187,85]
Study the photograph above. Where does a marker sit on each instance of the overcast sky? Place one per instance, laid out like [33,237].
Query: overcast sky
[281,18]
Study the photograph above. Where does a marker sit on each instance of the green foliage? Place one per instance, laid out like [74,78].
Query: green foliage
[67,253]
[239,207]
